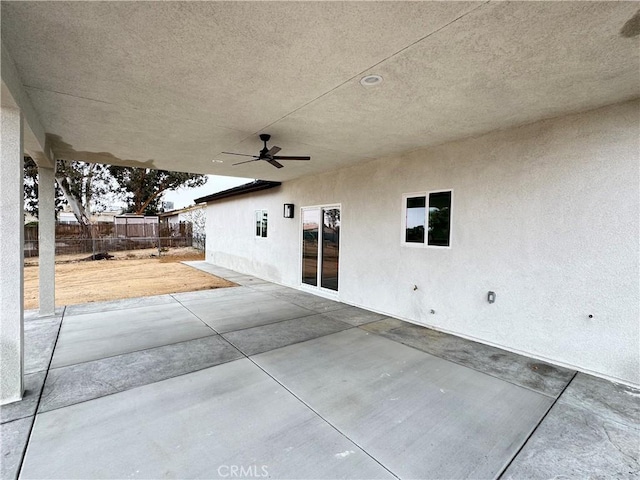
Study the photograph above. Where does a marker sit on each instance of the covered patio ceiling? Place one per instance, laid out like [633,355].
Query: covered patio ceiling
[173,84]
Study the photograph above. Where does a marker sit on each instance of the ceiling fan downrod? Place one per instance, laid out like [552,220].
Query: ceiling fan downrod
[265,138]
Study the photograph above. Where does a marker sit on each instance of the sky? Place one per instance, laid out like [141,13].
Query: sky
[184,197]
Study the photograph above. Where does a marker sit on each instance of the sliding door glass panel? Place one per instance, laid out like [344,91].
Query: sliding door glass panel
[415,220]
[330,248]
[310,232]
[439,218]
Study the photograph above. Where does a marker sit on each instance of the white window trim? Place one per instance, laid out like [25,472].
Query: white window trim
[403,231]
[262,212]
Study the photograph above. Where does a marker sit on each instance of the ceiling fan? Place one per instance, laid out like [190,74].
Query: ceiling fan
[267,154]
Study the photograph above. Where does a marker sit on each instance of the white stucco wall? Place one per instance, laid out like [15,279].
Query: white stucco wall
[546,215]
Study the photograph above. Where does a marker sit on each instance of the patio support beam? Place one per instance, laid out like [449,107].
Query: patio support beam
[46,240]
[13,92]
[11,255]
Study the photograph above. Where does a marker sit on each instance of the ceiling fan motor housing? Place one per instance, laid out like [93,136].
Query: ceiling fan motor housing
[265,138]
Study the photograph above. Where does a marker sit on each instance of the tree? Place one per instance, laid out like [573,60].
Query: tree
[85,187]
[90,188]
[143,187]
[31,189]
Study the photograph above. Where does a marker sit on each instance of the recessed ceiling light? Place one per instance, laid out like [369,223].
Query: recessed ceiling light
[217,161]
[370,80]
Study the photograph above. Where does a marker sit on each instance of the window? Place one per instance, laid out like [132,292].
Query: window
[424,226]
[415,219]
[261,223]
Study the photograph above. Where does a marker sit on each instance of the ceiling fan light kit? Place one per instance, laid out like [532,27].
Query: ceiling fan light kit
[267,154]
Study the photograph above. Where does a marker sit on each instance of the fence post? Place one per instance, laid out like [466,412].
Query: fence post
[93,239]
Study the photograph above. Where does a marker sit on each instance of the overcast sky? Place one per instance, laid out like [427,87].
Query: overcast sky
[184,197]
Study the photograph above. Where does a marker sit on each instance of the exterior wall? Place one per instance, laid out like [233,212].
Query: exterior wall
[172,219]
[546,215]
[196,215]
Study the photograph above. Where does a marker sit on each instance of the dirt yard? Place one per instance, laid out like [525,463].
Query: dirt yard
[129,274]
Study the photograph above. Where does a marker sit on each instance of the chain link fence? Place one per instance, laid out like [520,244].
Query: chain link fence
[110,237]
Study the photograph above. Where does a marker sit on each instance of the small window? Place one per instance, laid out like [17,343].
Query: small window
[261,223]
[427,226]
[439,219]
[415,219]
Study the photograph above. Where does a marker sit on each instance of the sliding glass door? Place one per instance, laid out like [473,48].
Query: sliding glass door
[321,247]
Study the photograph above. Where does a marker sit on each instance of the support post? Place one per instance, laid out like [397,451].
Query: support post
[47,240]
[11,256]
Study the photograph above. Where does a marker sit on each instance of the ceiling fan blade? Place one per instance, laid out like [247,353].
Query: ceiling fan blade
[291,158]
[275,164]
[239,154]
[248,161]
[273,151]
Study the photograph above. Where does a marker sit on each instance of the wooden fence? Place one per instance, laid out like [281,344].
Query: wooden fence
[108,237]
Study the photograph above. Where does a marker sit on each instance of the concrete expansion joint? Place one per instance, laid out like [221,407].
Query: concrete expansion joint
[117,391]
[515,455]
[55,343]
[315,412]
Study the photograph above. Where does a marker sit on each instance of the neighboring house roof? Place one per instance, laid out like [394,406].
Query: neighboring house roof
[178,211]
[254,186]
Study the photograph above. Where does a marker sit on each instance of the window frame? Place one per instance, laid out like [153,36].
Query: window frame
[425,243]
[262,211]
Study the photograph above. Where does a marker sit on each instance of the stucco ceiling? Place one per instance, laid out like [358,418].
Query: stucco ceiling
[173,84]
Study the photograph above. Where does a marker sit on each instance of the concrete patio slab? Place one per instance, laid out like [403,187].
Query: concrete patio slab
[355,316]
[238,312]
[218,297]
[13,441]
[367,405]
[97,307]
[592,429]
[212,294]
[39,340]
[33,384]
[309,301]
[269,287]
[34,314]
[574,442]
[248,281]
[89,380]
[256,340]
[303,299]
[104,334]
[527,372]
[612,401]
[419,415]
[212,269]
[235,275]
[194,426]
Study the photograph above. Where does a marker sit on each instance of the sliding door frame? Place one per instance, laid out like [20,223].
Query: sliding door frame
[318,289]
